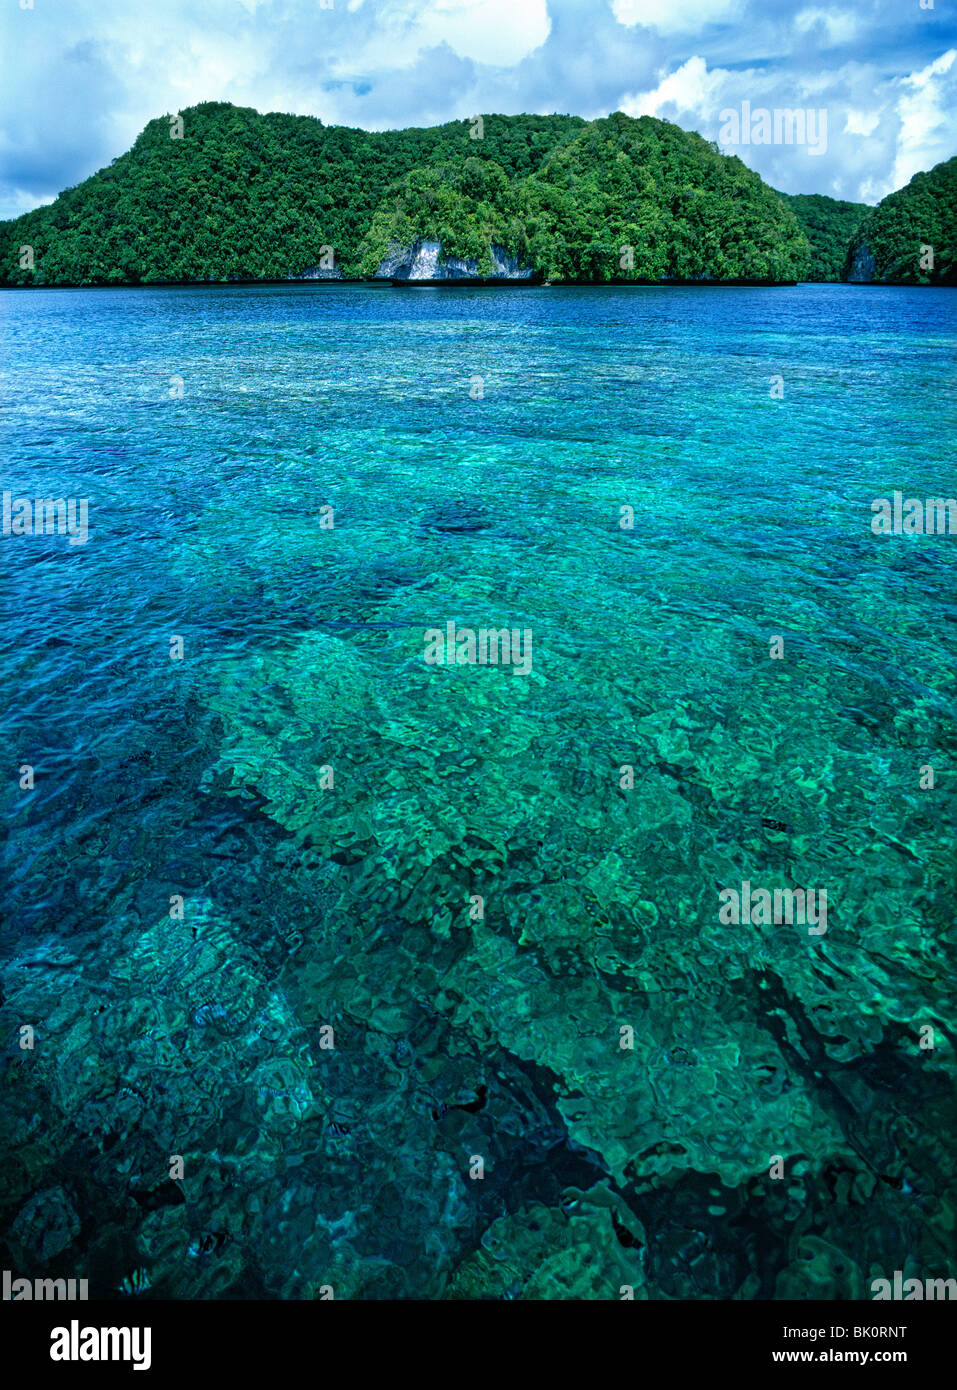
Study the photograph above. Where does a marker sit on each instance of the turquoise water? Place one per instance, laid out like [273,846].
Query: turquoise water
[476,449]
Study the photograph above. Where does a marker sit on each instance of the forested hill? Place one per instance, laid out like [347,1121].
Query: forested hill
[911,236]
[622,199]
[241,195]
[228,194]
[830,225]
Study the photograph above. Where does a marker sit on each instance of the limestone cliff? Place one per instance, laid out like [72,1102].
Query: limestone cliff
[862,265]
[423,260]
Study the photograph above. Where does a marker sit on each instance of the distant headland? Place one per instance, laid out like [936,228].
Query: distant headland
[222,194]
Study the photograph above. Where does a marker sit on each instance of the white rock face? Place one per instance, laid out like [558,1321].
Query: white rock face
[421,261]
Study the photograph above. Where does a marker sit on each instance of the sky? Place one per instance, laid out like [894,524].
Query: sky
[80,78]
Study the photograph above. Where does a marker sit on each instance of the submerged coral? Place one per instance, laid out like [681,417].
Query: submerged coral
[336,969]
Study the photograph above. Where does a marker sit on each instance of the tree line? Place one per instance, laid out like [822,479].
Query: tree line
[220,192]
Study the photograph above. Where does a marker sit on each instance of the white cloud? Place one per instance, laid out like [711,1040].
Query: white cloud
[871,191]
[21,202]
[861,122]
[497,32]
[676,16]
[839,26]
[690,88]
[90,74]
[693,95]
[926,75]
[926,108]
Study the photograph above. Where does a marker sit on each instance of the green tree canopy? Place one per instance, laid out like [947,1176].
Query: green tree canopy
[249,196]
[902,228]
[830,225]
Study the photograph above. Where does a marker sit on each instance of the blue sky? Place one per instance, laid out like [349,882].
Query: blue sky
[82,77]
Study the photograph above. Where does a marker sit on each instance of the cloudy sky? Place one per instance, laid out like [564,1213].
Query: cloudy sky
[82,77]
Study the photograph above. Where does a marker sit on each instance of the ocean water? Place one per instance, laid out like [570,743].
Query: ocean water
[350,971]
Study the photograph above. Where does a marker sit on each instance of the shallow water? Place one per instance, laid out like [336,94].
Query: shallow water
[208,428]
